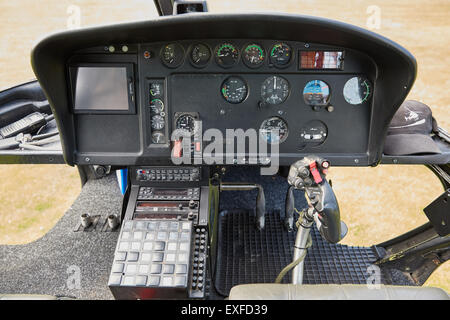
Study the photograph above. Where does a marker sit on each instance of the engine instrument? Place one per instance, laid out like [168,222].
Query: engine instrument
[280,55]
[200,55]
[253,55]
[234,90]
[172,55]
[226,55]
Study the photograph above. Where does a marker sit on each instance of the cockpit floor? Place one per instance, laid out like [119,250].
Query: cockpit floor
[63,262]
[247,255]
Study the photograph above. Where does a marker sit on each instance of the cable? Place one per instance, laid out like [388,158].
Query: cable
[293,264]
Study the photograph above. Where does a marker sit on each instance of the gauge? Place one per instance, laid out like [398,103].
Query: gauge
[253,55]
[316,93]
[226,55]
[172,55]
[274,130]
[157,106]
[156,89]
[357,90]
[158,137]
[274,90]
[158,122]
[280,55]
[200,55]
[186,123]
[234,90]
[313,133]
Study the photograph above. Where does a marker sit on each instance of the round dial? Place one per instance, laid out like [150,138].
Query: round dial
[156,89]
[172,55]
[157,122]
[186,123]
[234,90]
[253,55]
[274,90]
[274,130]
[157,106]
[200,55]
[280,55]
[226,55]
[313,134]
[158,137]
[357,90]
[316,93]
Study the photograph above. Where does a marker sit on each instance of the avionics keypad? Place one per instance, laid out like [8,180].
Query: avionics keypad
[152,253]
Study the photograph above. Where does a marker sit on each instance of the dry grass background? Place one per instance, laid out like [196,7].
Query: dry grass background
[376,203]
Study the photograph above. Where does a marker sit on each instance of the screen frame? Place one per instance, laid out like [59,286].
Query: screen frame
[131,86]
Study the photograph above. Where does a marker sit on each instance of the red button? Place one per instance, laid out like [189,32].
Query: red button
[177,149]
[315,173]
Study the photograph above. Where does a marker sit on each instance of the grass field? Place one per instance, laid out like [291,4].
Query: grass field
[376,203]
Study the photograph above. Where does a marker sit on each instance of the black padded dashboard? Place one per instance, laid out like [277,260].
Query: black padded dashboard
[353,132]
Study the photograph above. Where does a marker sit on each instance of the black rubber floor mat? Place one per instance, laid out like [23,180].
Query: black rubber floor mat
[246,255]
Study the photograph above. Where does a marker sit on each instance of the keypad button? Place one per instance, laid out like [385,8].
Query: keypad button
[170,257]
[167,281]
[117,267]
[184,246]
[124,245]
[125,235]
[121,256]
[115,279]
[148,246]
[172,246]
[144,269]
[131,268]
[152,225]
[159,246]
[168,269]
[173,235]
[150,236]
[153,281]
[158,257]
[128,281]
[133,256]
[182,257]
[146,257]
[162,235]
[137,235]
[155,268]
[181,268]
[180,281]
[141,280]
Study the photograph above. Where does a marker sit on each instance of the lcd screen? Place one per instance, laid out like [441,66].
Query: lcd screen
[101,89]
[321,60]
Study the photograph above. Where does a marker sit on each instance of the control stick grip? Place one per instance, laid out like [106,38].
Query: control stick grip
[328,219]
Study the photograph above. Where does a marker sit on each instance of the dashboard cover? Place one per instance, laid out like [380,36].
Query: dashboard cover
[187,56]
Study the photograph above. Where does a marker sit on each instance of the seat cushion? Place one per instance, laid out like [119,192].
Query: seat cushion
[266,291]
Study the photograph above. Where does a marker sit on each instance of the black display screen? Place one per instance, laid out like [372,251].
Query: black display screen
[103,89]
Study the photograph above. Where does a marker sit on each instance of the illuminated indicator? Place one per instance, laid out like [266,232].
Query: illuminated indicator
[321,60]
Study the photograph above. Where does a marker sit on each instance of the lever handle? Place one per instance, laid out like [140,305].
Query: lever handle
[328,219]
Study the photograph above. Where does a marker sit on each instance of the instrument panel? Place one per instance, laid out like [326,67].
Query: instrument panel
[304,85]
[295,95]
